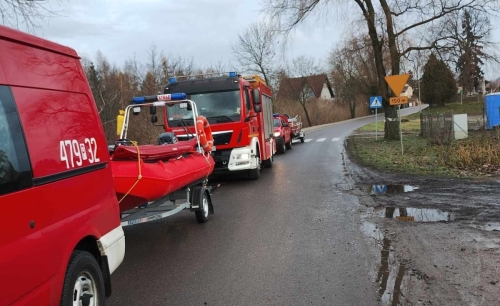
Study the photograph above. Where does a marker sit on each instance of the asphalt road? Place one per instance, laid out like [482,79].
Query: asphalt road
[290,238]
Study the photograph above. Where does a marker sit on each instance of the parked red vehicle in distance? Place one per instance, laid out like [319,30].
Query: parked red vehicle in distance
[282,133]
[61,234]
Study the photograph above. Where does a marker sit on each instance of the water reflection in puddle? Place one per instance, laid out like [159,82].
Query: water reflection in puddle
[388,189]
[391,273]
[417,214]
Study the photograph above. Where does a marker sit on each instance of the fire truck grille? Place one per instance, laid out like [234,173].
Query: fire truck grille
[222,139]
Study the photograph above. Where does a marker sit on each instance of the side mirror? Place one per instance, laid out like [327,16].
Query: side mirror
[152,110]
[256,96]
[154,119]
[257,108]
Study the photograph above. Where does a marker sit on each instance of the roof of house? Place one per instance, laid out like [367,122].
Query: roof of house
[405,88]
[291,87]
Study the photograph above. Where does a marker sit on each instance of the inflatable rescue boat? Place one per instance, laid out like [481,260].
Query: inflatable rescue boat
[145,173]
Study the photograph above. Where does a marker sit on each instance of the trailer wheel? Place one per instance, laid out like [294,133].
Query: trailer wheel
[83,283]
[202,215]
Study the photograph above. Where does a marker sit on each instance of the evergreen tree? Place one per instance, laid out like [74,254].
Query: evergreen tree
[470,61]
[438,83]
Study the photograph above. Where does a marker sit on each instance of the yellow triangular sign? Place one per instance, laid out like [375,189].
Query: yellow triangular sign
[397,82]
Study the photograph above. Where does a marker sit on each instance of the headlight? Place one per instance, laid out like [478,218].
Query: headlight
[276,134]
[242,156]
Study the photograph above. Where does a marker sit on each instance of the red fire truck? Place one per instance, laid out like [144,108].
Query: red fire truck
[239,111]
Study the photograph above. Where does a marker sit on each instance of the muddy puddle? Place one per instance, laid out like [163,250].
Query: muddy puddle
[392,275]
[389,189]
[490,227]
[417,214]
[411,214]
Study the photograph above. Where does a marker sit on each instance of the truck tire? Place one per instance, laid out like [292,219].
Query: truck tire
[289,144]
[280,145]
[268,163]
[83,281]
[202,215]
[302,139]
[254,174]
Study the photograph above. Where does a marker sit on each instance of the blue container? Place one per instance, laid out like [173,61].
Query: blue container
[492,110]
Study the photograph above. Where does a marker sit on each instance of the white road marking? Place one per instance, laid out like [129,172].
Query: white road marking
[321,139]
[335,139]
[307,140]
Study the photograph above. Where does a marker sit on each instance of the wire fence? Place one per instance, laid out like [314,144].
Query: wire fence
[438,128]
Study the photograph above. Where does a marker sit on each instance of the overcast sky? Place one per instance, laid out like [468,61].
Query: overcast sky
[202,29]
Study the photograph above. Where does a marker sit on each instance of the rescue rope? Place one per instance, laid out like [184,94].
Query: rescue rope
[140,171]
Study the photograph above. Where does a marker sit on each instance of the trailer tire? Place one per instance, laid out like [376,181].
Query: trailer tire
[202,215]
[83,272]
[280,144]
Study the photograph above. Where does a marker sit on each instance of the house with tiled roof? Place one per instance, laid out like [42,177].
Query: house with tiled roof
[314,86]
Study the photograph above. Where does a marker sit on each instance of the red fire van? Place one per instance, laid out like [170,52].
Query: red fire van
[60,232]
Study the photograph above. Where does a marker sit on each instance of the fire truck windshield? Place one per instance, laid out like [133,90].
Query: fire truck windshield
[223,106]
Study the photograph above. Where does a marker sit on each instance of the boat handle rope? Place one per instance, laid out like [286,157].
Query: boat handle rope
[140,171]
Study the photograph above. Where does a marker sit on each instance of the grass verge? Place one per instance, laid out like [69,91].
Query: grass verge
[469,108]
[474,157]
[407,126]
[382,155]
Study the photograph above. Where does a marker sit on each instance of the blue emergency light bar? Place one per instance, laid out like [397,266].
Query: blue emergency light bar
[165,97]
[276,115]
[172,80]
[232,74]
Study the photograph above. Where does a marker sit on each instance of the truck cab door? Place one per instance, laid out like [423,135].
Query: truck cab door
[254,126]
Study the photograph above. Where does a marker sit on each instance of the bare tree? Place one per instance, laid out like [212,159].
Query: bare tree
[14,13]
[353,71]
[255,50]
[386,21]
[218,67]
[176,66]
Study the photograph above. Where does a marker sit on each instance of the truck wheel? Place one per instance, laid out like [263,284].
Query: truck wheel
[268,163]
[289,144]
[254,174]
[302,139]
[83,281]
[202,215]
[280,144]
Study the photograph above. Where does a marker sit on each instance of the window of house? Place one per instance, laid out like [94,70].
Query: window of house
[15,168]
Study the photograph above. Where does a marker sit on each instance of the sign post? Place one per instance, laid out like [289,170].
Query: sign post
[376,103]
[397,83]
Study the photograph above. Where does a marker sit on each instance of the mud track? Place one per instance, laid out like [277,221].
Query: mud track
[439,242]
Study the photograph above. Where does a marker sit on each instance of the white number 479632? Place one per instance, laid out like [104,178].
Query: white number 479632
[78,152]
